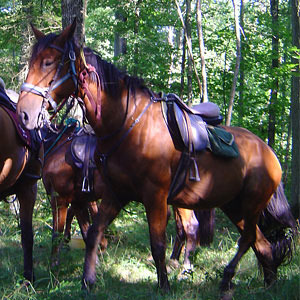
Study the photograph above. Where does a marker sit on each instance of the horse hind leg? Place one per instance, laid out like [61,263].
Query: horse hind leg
[186,232]
[273,246]
[191,228]
[180,236]
[247,228]
[263,251]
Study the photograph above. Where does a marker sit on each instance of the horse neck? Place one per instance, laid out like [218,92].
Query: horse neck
[113,113]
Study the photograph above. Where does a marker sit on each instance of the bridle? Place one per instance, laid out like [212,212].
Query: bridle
[45,92]
[80,79]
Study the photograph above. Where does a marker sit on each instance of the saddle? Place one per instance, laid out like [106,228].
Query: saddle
[30,138]
[192,131]
[82,150]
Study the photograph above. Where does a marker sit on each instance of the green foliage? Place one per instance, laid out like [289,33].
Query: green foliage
[153,34]
[126,270]
[14,22]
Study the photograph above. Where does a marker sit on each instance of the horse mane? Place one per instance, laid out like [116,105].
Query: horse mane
[111,77]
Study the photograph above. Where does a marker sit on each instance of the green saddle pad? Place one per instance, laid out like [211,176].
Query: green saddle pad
[222,142]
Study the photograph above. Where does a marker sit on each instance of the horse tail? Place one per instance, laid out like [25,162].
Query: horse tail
[206,228]
[279,227]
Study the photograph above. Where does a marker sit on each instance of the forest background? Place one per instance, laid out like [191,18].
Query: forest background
[242,55]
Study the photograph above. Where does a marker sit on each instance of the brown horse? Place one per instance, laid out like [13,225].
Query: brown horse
[19,170]
[63,182]
[138,159]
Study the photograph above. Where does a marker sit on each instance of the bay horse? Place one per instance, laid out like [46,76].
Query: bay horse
[138,160]
[63,182]
[20,168]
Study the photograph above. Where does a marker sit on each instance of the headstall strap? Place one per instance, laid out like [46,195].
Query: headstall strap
[96,105]
[45,92]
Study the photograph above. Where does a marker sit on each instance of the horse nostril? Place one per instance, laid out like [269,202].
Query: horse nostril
[25,116]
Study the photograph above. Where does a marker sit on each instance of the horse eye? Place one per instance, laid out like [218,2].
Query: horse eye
[48,62]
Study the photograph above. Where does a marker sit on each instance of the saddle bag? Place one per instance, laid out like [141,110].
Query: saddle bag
[221,142]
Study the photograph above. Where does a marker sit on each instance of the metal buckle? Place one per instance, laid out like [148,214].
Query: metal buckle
[85,185]
[72,55]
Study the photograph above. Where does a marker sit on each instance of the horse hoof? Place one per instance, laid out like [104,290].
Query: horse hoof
[185,274]
[86,285]
[227,295]
[227,291]
[173,263]
[29,278]
[270,278]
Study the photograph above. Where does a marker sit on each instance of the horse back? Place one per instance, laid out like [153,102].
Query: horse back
[256,154]
[256,171]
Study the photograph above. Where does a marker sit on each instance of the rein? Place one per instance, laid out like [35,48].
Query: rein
[69,123]
[96,105]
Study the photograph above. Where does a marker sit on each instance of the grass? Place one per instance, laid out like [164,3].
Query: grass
[126,270]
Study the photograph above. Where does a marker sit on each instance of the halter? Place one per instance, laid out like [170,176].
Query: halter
[45,92]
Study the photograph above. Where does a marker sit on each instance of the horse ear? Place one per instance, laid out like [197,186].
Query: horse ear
[67,33]
[38,34]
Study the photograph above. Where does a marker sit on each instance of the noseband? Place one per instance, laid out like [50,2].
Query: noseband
[45,92]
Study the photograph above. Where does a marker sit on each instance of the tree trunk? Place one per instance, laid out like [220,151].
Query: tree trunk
[295,109]
[136,31]
[190,58]
[189,45]
[26,37]
[120,42]
[71,9]
[204,97]
[275,65]
[242,73]
[237,64]
[182,65]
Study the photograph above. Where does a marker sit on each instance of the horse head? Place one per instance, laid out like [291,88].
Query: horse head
[51,77]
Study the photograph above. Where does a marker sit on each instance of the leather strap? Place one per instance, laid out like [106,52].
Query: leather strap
[96,104]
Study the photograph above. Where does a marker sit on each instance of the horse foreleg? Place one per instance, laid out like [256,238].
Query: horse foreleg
[59,213]
[69,220]
[83,218]
[157,221]
[107,212]
[93,210]
[27,195]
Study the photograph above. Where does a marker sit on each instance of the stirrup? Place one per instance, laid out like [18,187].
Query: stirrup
[85,185]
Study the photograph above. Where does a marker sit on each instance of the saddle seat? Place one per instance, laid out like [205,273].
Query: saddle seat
[187,125]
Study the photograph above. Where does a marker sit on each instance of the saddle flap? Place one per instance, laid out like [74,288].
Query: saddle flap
[188,131]
[80,147]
